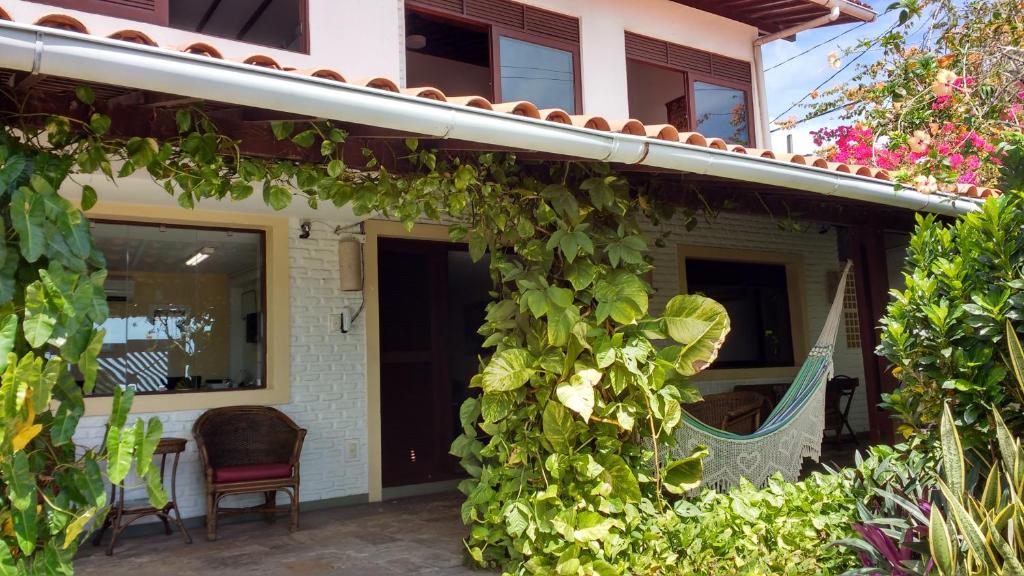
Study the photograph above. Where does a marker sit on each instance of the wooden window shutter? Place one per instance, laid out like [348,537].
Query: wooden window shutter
[689,59]
[552,25]
[730,68]
[686,59]
[647,49]
[455,6]
[151,11]
[512,15]
[501,12]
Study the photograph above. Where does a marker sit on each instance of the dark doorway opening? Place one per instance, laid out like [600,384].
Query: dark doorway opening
[432,301]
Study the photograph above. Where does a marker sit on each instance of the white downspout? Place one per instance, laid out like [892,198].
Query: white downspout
[88,59]
[762,100]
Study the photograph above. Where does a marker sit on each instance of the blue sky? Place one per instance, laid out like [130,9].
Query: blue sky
[791,81]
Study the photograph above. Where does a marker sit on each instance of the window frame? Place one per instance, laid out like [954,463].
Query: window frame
[495,31]
[263,296]
[797,309]
[691,94]
[161,16]
[651,55]
[276,389]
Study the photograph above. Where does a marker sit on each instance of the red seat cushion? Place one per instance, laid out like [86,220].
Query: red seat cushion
[250,472]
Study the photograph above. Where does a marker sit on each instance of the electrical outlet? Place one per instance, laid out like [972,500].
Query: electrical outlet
[352,450]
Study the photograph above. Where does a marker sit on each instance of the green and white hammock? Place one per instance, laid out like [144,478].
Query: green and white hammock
[793,431]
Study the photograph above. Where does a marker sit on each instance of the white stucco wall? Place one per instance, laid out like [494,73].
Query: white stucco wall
[328,385]
[751,232]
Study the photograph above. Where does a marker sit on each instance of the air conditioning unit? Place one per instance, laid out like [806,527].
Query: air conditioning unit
[119,289]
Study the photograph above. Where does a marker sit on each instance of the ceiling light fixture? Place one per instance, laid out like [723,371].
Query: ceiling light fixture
[415,41]
[198,257]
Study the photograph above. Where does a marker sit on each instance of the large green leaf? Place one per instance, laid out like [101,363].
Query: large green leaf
[699,325]
[39,323]
[21,491]
[88,363]
[953,468]
[76,526]
[155,488]
[559,427]
[120,443]
[508,370]
[28,218]
[145,443]
[940,544]
[65,422]
[8,331]
[621,296]
[497,406]
[578,393]
[685,474]
[1016,356]
[619,478]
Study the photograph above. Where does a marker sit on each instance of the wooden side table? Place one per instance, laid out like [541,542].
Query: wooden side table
[120,517]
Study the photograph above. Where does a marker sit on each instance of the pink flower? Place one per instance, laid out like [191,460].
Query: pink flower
[955,161]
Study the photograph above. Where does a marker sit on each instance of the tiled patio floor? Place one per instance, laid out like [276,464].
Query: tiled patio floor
[419,536]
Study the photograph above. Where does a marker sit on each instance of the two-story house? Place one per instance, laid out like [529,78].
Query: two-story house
[232,303]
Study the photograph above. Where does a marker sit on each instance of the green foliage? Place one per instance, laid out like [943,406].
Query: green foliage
[945,331]
[555,446]
[784,528]
[982,529]
[51,304]
[561,481]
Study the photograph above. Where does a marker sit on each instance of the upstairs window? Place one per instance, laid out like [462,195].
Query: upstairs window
[275,23]
[693,90]
[501,50]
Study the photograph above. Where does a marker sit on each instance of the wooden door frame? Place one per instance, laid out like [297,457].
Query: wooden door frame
[374,230]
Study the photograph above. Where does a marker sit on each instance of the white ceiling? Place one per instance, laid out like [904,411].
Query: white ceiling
[277,26]
[144,248]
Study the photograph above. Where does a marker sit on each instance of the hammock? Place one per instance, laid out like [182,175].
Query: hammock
[793,431]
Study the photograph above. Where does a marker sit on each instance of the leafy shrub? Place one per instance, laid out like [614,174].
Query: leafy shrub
[784,528]
[944,332]
[895,486]
[982,530]
[51,304]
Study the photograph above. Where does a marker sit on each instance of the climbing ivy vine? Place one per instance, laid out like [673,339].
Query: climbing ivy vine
[580,385]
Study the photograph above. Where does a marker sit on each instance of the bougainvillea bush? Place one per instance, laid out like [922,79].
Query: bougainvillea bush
[942,99]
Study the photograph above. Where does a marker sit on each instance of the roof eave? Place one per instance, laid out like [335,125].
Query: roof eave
[88,59]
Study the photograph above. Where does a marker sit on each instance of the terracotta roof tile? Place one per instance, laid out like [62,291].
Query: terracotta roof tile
[203,49]
[634,127]
[62,22]
[133,36]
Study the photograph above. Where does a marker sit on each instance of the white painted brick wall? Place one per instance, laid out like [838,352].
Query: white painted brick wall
[328,387]
[752,232]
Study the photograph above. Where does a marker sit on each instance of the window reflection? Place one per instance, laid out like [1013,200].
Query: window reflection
[540,74]
[721,112]
[185,308]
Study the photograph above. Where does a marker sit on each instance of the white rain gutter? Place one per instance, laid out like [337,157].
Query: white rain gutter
[89,59]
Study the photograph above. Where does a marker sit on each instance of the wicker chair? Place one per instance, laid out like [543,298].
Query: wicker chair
[736,412]
[245,450]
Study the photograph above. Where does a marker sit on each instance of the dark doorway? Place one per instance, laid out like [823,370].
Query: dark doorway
[432,301]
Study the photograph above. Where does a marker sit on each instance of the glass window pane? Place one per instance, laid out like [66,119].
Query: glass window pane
[537,73]
[756,296]
[721,112]
[186,308]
